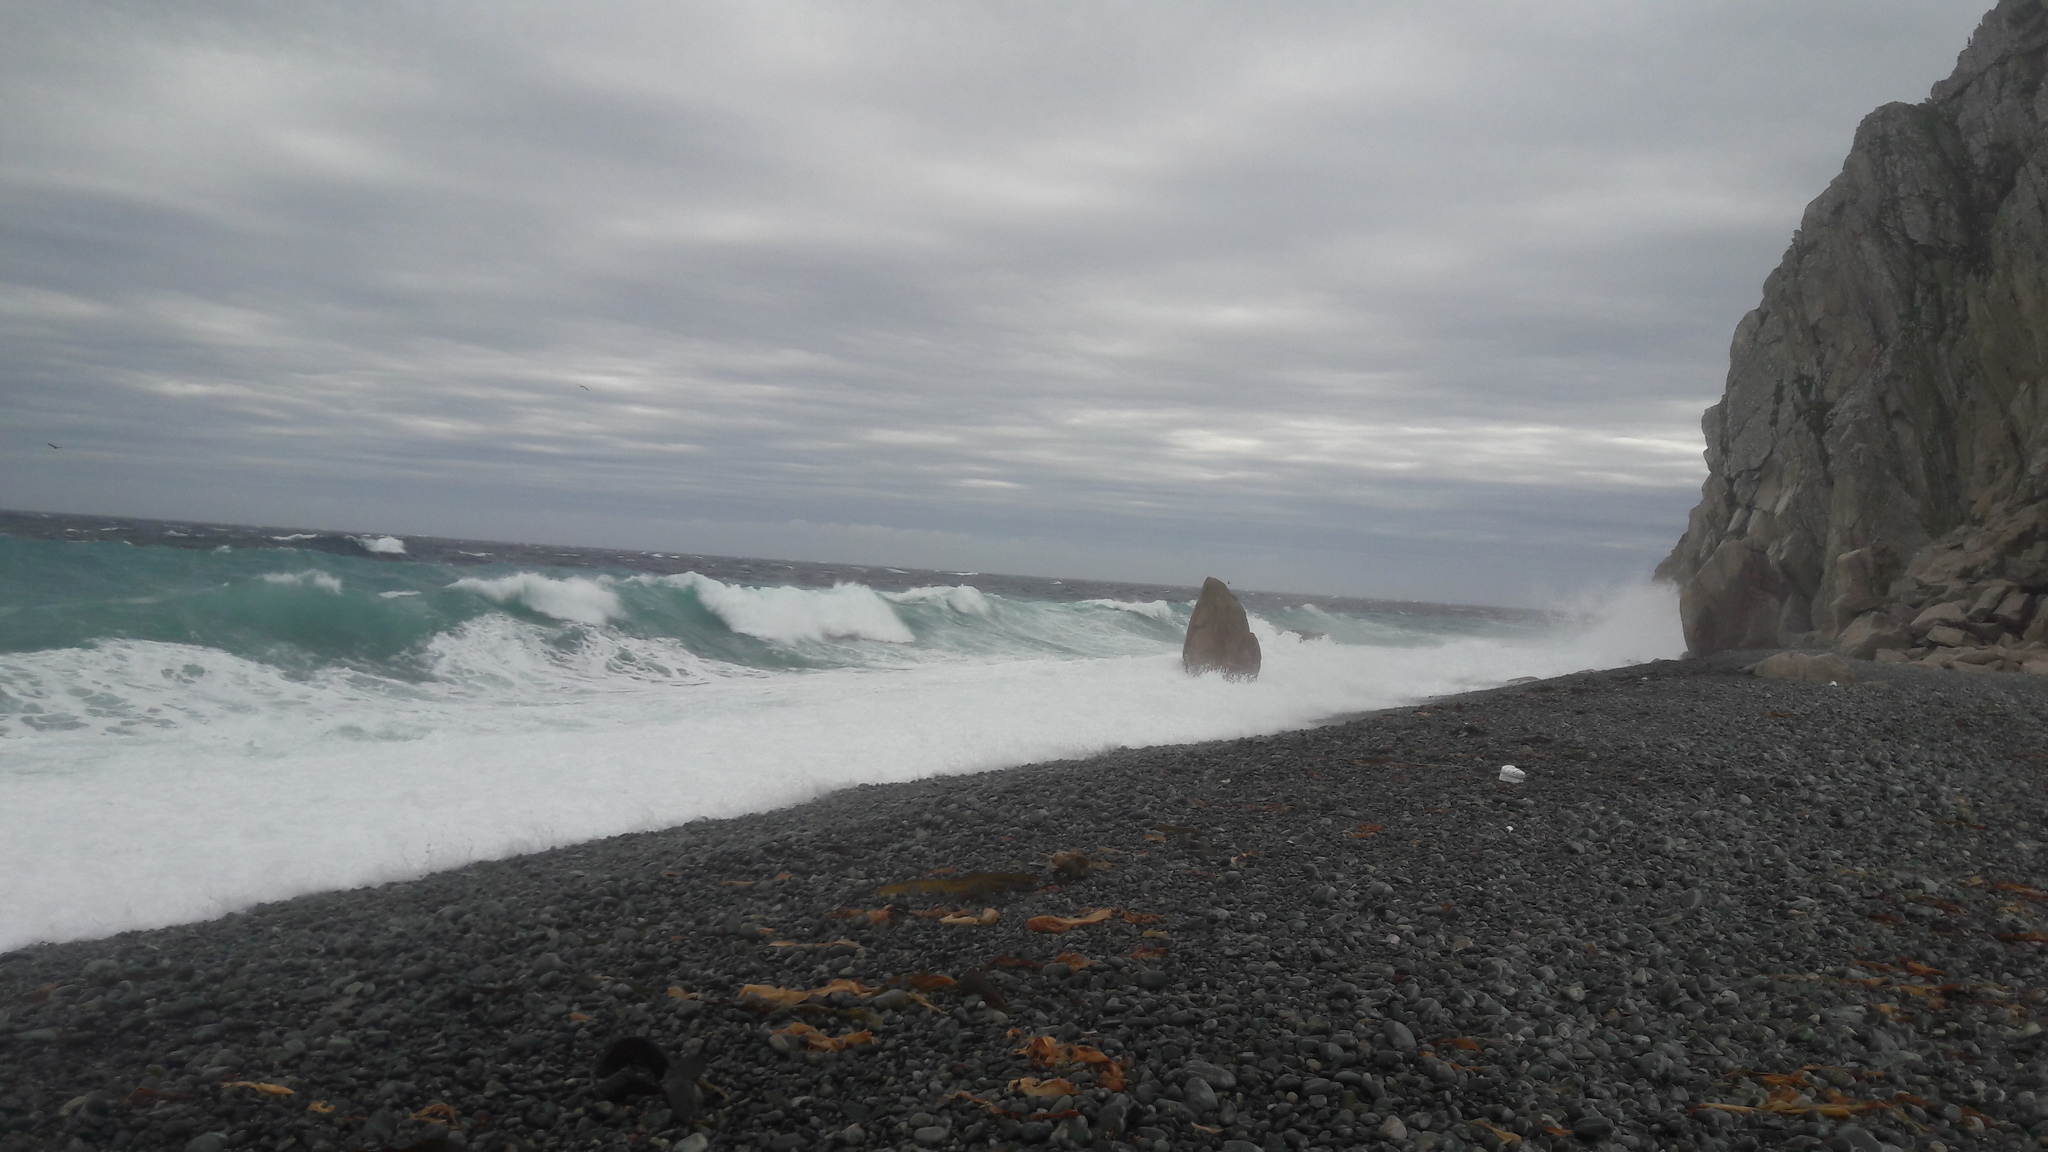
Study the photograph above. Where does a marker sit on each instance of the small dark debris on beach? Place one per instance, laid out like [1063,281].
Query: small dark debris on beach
[1720,913]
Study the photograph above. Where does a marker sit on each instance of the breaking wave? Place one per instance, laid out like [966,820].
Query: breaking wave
[355,720]
[788,615]
[574,599]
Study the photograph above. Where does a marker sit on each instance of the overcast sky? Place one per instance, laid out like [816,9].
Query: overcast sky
[1417,300]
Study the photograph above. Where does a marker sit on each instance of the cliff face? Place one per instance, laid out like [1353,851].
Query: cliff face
[1882,446]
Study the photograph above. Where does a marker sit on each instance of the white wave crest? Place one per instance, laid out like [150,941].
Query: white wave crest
[514,662]
[310,578]
[787,615]
[574,599]
[962,598]
[380,545]
[518,742]
[1156,609]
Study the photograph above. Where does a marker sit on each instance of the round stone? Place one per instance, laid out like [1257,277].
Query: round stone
[1593,1126]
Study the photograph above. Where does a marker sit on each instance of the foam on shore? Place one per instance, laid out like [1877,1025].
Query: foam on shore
[263,725]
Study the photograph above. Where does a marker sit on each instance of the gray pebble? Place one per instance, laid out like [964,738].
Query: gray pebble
[1593,1126]
[1111,1118]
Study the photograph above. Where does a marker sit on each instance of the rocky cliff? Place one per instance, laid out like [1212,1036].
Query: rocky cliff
[1878,466]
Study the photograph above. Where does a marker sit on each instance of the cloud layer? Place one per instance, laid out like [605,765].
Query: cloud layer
[1337,297]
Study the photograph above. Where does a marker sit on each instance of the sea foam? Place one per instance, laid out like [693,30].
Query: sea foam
[790,615]
[150,782]
[310,578]
[963,598]
[1156,609]
[577,599]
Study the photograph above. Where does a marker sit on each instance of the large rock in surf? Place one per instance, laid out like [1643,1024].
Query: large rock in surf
[1219,637]
[1882,446]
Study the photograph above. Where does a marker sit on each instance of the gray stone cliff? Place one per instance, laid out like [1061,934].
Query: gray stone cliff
[1881,450]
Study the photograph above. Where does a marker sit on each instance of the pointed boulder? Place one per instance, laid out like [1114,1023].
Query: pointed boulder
[1219,637]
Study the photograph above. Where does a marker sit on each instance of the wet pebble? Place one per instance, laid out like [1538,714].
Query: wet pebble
[1593,1126]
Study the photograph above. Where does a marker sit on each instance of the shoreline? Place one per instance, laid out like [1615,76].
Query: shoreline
[1687,836]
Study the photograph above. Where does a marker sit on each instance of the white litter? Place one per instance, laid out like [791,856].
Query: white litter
[1509,774]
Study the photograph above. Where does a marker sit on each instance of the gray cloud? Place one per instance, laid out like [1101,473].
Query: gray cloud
[1352,298]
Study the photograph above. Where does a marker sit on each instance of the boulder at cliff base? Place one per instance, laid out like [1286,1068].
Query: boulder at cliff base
[1829,669]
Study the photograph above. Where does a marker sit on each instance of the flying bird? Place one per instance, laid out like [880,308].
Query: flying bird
[585,387]
[51,445]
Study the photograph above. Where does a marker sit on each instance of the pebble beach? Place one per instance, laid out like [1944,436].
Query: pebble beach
[1718,912]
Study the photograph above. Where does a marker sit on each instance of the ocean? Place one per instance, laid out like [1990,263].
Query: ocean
[196,718]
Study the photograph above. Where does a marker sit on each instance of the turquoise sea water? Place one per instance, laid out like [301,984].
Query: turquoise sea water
[194,718]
